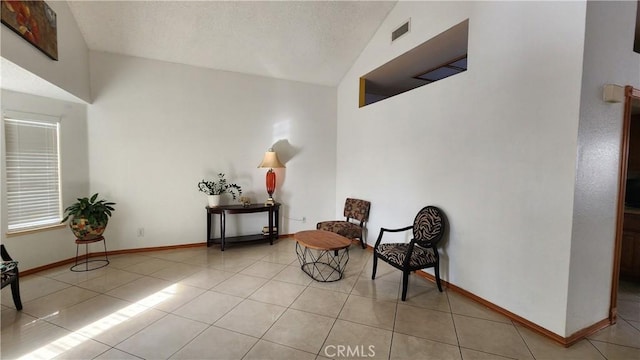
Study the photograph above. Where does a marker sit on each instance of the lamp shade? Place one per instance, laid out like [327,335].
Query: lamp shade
[270,160]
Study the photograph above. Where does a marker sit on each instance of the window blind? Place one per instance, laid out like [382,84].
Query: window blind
[33,174]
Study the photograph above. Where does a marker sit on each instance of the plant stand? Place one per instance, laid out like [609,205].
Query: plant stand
[78,266]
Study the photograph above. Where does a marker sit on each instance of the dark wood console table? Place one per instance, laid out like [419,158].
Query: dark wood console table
[223,210]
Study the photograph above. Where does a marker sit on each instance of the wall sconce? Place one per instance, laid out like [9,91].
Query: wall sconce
[271,162]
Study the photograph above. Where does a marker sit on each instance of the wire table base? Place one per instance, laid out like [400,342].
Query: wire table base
[322,265]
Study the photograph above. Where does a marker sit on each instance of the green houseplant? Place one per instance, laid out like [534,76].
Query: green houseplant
[88,217]
[215,188]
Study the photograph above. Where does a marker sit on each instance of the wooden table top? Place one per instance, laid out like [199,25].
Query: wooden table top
[322,240]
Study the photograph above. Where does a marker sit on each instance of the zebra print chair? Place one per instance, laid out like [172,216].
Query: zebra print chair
[420,253]
[355,209]
[10,276]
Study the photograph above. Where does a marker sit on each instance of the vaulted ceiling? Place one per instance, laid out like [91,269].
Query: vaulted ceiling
[308,41]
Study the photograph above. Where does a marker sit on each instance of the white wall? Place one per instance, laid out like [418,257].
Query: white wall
[157,128]
[71,71]
[46,247]
[494,147]
[608,59]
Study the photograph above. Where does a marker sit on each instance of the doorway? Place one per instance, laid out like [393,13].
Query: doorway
[625,289]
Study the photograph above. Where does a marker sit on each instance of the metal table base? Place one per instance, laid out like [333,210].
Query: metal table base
[322,265]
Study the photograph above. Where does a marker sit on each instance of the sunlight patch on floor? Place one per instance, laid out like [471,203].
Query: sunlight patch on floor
[76,338]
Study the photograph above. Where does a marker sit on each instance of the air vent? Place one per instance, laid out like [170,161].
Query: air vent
[401,30]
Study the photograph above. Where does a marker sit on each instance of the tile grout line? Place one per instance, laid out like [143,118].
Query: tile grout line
[455,329]
[190,341]
[611,343]
[523,339]
[235,306]
[395,318]
[598,350]
[335,320]
[489,353]
[297,297]
[279,317]
[98,341]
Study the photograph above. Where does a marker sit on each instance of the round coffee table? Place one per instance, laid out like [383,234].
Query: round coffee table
[323,255]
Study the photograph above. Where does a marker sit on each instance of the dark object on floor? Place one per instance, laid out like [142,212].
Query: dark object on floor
[10,275]
[420,253]
[353,209]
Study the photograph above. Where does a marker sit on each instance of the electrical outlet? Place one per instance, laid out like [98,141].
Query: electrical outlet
[140,232]
[304,219]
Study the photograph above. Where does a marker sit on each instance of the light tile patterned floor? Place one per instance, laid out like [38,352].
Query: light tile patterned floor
[254,302]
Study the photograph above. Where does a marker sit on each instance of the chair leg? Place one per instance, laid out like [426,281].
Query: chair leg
[437,272]
[375,266]
[364,245]
[15,292]
[405,281]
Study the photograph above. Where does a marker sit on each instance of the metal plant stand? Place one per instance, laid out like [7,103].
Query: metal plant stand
[101,262]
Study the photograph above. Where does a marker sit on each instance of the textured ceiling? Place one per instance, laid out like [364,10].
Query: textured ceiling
[309,41]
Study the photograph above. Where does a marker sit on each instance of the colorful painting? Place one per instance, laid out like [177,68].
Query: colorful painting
[35,22]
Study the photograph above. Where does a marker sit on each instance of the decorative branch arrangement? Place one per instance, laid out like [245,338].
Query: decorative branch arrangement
[219,187]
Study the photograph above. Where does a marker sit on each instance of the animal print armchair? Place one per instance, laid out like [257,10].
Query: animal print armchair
[354,209]
[420,253]
[10,276]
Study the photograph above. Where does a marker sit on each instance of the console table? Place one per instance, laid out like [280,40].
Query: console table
[222,210]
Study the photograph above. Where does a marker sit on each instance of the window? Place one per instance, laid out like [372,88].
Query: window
[32,171]
[438,58]
[444,71]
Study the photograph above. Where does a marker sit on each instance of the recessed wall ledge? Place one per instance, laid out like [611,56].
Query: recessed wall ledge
[613,93]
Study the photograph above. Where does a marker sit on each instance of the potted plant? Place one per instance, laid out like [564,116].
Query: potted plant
[89,217]
[215,188]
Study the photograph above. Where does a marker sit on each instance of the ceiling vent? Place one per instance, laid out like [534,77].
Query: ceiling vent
[401,30]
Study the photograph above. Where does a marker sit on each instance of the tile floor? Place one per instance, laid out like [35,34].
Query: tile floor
[254,302]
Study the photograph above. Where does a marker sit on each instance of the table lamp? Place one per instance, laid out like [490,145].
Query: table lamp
[270,161]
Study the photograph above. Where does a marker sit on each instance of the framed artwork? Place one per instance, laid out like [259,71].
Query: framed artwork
[34,21]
